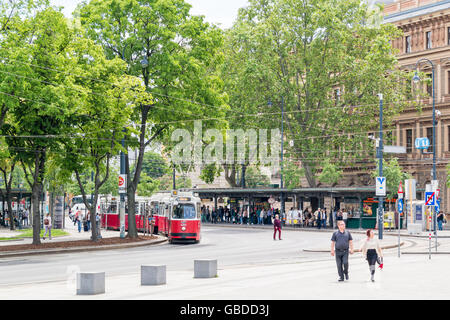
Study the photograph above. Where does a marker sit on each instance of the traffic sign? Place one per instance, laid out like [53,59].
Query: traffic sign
[422,143]
[400,205]
[380,186]
[400,191]
[430,198]
[438,205]
[122,183]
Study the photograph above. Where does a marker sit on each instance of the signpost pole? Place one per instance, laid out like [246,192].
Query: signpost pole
[399,211]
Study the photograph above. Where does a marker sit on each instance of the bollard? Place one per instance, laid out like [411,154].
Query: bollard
[153,275]
[205,268]
[89,283]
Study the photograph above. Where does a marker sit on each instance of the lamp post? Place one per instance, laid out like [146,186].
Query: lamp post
[281,163]
[416,81]
[380,169]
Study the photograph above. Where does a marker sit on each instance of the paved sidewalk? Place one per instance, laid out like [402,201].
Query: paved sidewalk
[74,235]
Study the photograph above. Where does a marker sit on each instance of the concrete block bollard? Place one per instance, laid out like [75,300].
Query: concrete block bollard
[89,283]
[153,275]
[205,268]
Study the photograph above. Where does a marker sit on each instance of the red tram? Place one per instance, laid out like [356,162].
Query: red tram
[177,215]
[109,209]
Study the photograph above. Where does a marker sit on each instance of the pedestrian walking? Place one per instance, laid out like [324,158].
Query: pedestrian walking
[276,227]
[48,226]
[78,219]
[341,245]
[371,251]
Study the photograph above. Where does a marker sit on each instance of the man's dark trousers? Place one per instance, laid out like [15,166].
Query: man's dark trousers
[342,262]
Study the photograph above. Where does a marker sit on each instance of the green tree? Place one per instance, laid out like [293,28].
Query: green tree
[41,99]
[292,175]
[298,54]
[174,54]
[255,178]
[330,173]
[97,136]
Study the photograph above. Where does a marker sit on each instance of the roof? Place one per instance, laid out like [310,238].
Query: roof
[274,191]
[416,12]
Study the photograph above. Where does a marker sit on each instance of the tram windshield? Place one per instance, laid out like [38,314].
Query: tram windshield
[183,211]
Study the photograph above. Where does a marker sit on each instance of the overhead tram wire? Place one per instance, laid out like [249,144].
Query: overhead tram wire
[107,82]
[200,119]
[205,119]
[186,100]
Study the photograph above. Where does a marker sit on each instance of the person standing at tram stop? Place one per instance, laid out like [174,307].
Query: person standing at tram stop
[48,226]
[440,220]
[341,245]
[277,227]
[371,251]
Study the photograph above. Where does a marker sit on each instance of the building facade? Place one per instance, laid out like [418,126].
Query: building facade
[426,35]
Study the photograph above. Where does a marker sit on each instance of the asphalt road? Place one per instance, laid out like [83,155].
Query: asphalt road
[245,257]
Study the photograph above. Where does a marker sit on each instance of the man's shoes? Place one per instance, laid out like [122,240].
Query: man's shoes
[341,279]
[346,276]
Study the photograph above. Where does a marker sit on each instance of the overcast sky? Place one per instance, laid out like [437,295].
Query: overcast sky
[221,12]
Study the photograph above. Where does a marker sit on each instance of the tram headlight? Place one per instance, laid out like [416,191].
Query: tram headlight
[183,228]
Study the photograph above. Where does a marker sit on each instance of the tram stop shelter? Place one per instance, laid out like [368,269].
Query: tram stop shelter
[359,202]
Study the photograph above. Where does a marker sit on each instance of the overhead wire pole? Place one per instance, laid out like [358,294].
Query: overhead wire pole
[416,80]
[380,168]
[281,176]
[122,192]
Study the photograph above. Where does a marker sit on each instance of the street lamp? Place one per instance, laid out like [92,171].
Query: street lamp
[416,81]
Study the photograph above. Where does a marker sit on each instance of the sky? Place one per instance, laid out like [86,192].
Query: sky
[220,12]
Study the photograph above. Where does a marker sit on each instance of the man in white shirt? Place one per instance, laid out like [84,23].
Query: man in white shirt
[345,216]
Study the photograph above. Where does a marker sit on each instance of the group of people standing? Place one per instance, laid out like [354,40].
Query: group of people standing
[20,220]
[258,215]
[320,218]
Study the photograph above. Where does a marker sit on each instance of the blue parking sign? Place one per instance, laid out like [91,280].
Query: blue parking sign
[438,205]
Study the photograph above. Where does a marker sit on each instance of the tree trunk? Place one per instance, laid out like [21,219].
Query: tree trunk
[12,225]
[36,193]
[230,175]
[309,175]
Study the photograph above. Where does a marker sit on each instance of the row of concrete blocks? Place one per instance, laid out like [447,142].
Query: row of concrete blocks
[90,283]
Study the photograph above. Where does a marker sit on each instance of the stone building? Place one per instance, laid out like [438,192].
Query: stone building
[426,35]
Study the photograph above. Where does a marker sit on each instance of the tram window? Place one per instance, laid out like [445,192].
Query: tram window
[184,211]
[113,207]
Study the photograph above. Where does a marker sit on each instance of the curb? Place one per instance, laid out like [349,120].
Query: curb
[391,246]
[80,249]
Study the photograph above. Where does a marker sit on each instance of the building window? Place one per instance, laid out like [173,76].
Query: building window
[430,84]
[448,35]
[449,138]
[428,39]
[430,137]
[409,140]
[448,82]
[408,44]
